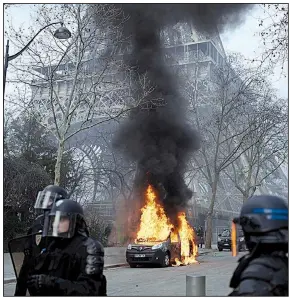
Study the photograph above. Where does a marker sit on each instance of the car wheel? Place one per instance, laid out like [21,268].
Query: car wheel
[132,265]
[166,260]
[220,249]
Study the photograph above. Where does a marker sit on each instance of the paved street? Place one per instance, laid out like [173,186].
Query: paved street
[217,267]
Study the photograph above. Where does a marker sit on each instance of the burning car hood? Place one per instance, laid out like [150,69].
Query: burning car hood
[146,243]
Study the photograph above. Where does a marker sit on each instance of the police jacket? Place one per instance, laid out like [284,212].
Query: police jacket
[264,275]
[71,267]
[32,248]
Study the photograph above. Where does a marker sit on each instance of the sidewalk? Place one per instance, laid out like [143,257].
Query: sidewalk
[205,250]
[9,275]
[111,261]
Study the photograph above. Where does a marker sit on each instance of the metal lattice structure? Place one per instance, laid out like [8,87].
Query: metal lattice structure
[184,47]
[90,163]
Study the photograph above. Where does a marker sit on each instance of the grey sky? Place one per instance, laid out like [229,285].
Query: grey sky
[244,39]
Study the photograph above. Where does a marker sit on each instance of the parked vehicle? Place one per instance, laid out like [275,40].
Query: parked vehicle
[225,240]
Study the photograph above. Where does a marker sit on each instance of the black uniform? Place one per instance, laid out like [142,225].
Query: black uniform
[73,263]
[264,271]
[35,243]
[33,246]
[70,267]
[265,275]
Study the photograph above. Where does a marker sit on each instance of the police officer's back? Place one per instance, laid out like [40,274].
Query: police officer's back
[73,263]
[264,271]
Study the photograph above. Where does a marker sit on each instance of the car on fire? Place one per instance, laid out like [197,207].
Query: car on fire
[225,240]
[151,251]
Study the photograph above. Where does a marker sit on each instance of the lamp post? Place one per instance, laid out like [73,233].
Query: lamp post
[60,33]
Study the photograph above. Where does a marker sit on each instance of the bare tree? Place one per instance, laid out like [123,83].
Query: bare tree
[215,111]
[98,227]
[75,80]
[267,145]
[275,34]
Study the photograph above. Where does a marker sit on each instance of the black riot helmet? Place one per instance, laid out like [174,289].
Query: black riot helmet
[48,196]
[264,221]
[65,218]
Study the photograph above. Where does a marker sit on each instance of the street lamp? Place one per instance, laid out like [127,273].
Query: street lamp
[60,33]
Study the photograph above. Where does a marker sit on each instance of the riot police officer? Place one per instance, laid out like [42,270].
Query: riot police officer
[264,271]
[73,263]
[34,242]
[43,203]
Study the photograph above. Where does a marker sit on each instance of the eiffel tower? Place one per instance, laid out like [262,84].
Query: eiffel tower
[184,47]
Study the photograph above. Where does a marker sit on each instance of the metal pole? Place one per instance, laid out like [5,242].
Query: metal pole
[195,285]
[5,67]
[9,58]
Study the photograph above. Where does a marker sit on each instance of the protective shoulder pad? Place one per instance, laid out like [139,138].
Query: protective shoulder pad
[265,276]
[271,270]
[277,267]
[259,269]
[272,262]
[95,257]
[253,287]
[94,247]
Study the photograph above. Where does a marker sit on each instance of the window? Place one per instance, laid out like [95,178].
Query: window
[213,52]
[204,48]
[226,233]
[192,47]
[179,50]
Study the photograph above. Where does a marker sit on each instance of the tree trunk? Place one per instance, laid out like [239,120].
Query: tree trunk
[245,197]
[246,194]
[58,162]
[208,236]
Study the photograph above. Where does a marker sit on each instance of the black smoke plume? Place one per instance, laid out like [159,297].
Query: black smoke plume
[159,138]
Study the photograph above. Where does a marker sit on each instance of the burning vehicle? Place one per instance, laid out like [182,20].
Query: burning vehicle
[158,241]
[157,135]
[150,251]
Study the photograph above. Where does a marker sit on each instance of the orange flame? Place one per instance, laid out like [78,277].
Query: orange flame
[234,240]
[189,250]
[155,226]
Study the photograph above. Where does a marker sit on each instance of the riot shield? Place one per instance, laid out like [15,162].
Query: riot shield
[22,249]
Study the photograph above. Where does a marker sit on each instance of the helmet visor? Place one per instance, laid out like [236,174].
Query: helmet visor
[62,225]
[45,199]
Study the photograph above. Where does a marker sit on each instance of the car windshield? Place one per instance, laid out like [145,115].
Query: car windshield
[143,240]
[226,233]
